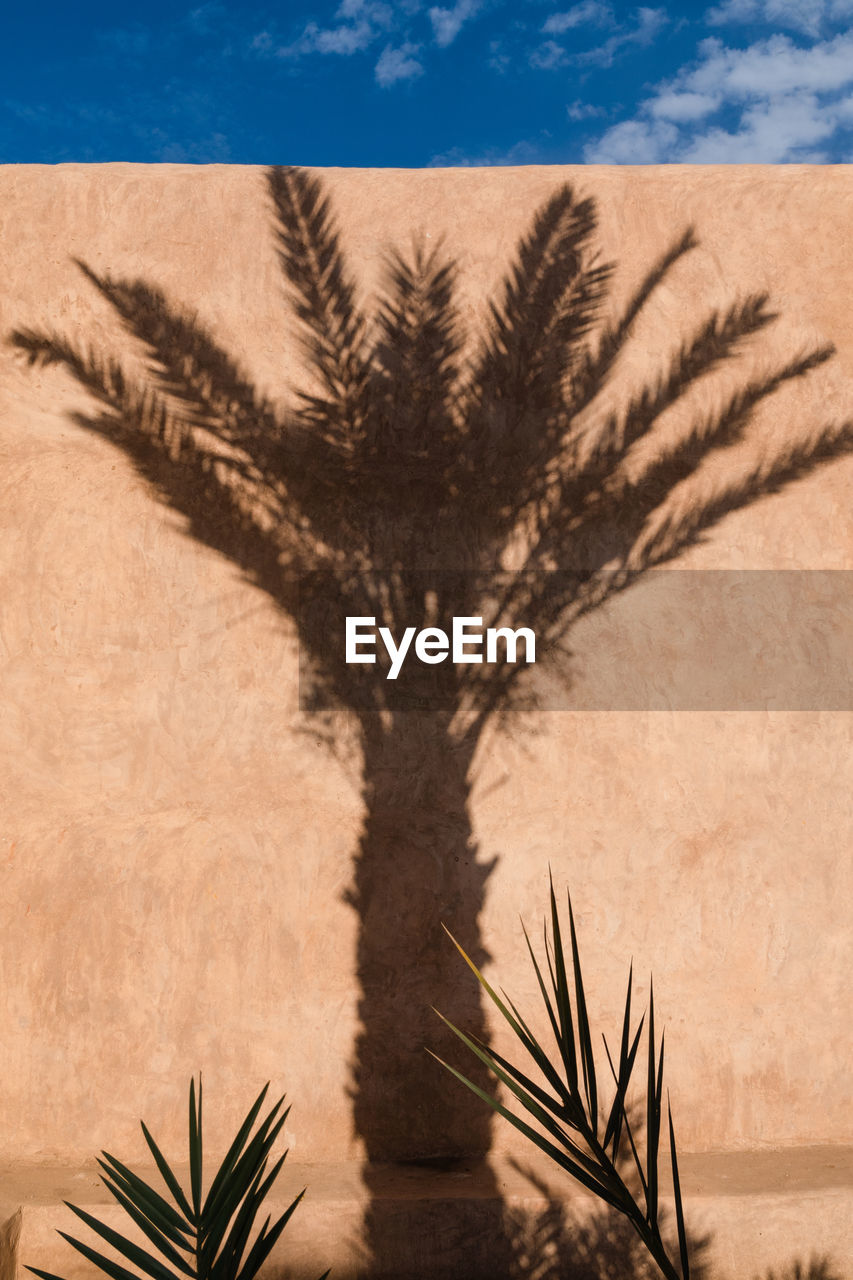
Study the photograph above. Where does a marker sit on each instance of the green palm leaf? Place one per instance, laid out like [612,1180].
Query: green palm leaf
[214,1232]
[139,1257]
[578,1148]
[234,1150]
[146,1199]
[156,1237]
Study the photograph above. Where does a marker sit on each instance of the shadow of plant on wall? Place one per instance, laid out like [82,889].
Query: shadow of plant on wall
[407,476]
[564,1243]
[817,1268]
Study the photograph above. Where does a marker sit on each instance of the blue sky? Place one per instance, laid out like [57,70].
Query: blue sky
[409,83]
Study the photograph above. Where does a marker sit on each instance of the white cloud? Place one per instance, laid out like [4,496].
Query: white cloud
[587,12]
[358,24]
[447,23]
[634,142]
[399,64]
[770,132]
[771,66]
[810,17]
[650,22]
[788,104]
[731,11]
[344,40]
[362,25]
[550,54]
[499,58]
[374,11]
[681,106]
[578,110]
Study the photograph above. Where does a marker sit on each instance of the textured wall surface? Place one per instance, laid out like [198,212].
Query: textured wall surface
[176,837]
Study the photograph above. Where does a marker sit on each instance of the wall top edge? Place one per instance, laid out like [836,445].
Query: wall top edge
[778,171]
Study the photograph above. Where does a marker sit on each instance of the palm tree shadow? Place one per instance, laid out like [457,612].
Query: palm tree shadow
[393,488]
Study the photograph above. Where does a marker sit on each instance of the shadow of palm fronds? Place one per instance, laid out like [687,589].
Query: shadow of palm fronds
[817,1268]
[406,462]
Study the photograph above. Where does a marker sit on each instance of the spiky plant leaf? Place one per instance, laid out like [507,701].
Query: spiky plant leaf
[157,1237]
[584,1033]
[676,1194]
[213,1231]
[147,1200]
[165,1172]
[541,1142]
[569,1123]
[195,1147]
[132,1252]
[233,1153]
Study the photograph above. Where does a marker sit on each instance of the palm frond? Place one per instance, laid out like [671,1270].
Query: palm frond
[213,1231]
[418,338]
[718,339]
[598,363]
[191,367]
[568,1121]
[323,296]
[608,525]
[678,532]
[721,430]
[225,502]
[515,404]
[539,316]
[411,436]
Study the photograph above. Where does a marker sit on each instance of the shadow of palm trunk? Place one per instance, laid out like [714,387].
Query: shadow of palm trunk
[416,869]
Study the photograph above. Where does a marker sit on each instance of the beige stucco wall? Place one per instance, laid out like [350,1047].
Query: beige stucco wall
[175,836]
